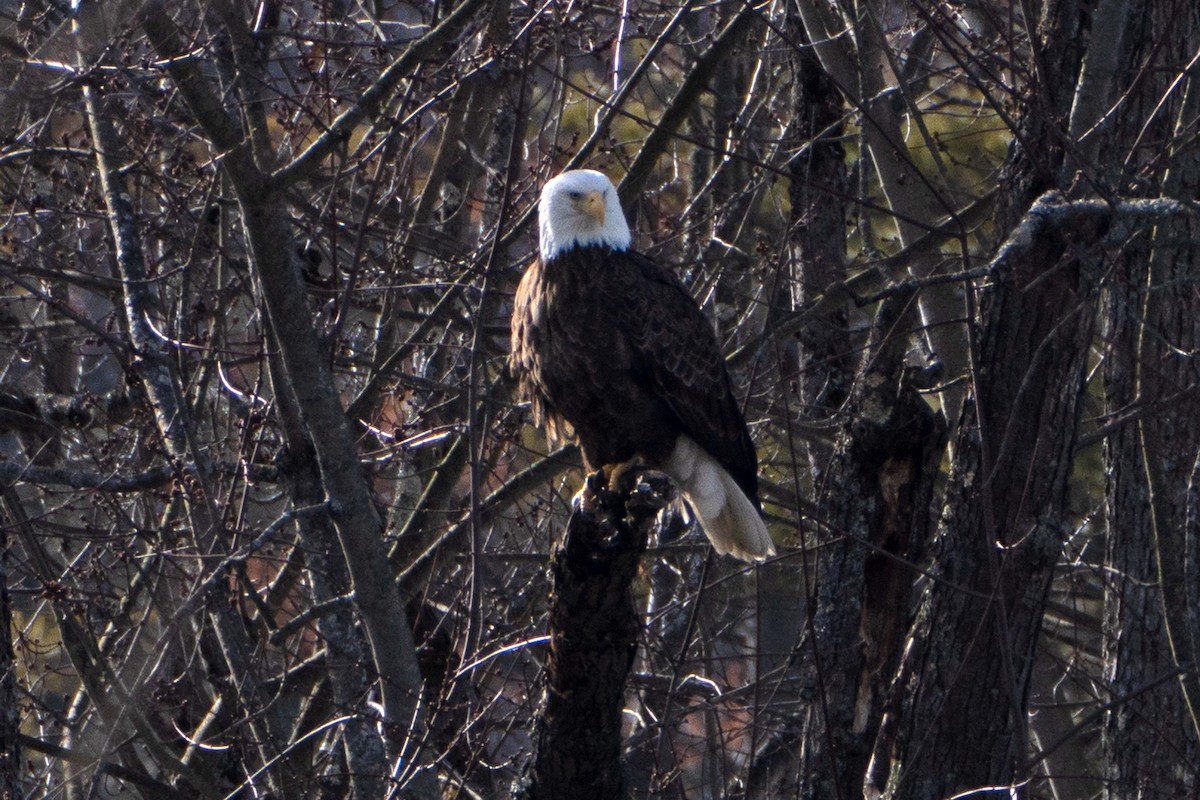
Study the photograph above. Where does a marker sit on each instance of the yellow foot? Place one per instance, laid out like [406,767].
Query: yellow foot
[610,480]
[622,477]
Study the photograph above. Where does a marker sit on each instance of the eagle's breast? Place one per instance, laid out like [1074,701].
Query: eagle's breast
[576,364]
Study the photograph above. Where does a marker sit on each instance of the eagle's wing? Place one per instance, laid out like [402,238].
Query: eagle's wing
[676,354]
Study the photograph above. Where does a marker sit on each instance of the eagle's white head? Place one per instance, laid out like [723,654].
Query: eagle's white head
[578,208]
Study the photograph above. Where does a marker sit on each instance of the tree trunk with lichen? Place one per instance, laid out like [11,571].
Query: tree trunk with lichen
[1151,731]
[1147,735]
[965,680]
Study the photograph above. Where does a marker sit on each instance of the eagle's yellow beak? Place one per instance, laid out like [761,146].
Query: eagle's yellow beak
[592,204]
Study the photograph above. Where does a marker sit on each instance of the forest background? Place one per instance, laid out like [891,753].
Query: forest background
[274,523]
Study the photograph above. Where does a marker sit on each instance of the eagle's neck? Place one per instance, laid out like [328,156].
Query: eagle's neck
[574,272]
[557,237]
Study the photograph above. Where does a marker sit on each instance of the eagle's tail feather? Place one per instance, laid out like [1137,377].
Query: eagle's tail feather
[730,520]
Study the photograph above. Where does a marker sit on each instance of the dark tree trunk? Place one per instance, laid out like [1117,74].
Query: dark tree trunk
[593,632]
[881,483]
[1169,378]
[963,687]
[966,675]
[1151,740]
[345,653]
[10,720]
[1147,734]
[873,473]
[822,360]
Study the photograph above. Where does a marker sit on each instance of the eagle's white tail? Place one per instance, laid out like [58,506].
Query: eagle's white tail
[731,521]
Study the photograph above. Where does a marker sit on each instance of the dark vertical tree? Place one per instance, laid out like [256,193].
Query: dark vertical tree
[10,717]
[593,630]
[1150,730]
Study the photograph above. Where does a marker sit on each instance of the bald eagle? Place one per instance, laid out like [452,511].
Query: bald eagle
[610,346]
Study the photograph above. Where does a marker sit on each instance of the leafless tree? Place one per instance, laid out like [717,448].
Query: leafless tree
[274,522]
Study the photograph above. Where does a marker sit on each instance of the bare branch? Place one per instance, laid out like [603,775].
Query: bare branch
[373,99]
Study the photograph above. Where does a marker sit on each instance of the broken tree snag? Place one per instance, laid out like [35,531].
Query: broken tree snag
[593,630]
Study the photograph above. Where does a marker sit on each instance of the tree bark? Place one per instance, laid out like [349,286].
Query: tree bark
[593,631]
[306,367]
[346,656]
[817,235]
[959,717]
[10,718]
[965,679]
[1150,737]
[1168,373]
[878,501]
[1147,733]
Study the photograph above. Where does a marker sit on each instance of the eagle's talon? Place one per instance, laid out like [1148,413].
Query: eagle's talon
[587,499]
[597,493]
[652,492]
[623,478]
[596,482]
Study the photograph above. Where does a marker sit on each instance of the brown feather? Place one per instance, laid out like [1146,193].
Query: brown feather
[612,345]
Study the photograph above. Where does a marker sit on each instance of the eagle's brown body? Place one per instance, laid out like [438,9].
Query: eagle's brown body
[612,344]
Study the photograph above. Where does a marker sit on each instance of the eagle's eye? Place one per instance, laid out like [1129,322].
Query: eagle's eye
[575,195]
